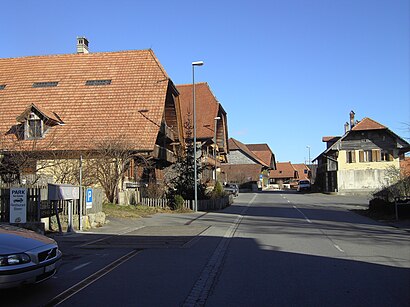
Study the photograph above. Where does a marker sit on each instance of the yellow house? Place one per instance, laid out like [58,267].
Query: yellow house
[357,161]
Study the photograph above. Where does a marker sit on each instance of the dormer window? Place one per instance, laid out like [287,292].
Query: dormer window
[34,127]
[35,122]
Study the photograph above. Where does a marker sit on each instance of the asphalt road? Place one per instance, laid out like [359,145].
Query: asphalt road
[268,249]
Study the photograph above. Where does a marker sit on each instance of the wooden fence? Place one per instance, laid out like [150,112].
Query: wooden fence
[203,204]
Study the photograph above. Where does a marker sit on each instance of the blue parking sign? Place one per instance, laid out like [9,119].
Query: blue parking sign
[89,198]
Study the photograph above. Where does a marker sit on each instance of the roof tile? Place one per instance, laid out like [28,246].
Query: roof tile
[90,113]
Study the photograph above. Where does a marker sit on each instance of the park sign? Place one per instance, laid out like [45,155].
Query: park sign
[18,205]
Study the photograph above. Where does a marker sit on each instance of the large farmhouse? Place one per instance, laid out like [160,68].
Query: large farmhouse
[72,105]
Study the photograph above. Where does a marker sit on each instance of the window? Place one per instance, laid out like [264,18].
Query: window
[387,155]
[376,155]
[98,82]
[351,156]
[365,156]
[45,84]
[34,129]
[2,86]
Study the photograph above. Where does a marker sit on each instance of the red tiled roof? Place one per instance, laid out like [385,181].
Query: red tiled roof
[263,152]
[405,166]
[283,170]
[207,107]
[90,113]
[368,124]
[301,168]
[330,138]
[46,113]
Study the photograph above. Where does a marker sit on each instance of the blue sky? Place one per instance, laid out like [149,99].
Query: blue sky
[287,72]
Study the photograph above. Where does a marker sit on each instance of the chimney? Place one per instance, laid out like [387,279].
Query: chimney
[346,127]
[352,122]
[82,45]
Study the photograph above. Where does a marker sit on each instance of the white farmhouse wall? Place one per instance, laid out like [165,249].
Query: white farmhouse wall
[364,181]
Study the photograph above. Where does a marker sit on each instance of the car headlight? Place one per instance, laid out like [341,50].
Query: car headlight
[14,259]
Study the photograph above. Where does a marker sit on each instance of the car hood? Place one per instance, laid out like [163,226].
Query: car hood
[14,240]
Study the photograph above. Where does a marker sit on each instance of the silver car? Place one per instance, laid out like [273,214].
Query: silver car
[26,257]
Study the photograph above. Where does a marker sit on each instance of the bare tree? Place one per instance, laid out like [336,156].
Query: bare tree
[109,163]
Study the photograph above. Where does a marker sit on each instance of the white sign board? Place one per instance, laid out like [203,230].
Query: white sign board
[18,205]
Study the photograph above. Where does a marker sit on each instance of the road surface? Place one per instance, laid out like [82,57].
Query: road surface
[267,249]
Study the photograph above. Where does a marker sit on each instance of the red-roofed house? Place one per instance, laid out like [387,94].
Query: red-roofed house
[357,161]
[304,172]
[70,103]
[285,175]
[244,166]
[212,126]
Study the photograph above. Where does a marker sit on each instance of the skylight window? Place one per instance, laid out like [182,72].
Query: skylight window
[45,84]
[2,86]
[98,82]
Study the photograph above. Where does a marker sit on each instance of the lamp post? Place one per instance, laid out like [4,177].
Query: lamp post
[216,122]
[197,63]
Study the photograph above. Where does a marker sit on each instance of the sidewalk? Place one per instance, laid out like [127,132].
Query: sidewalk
[403,224]
[120,226]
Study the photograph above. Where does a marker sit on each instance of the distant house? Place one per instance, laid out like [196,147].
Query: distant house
[66,105]
[284,176]
[244,165]
[303,171]
[356,162]
[212,127]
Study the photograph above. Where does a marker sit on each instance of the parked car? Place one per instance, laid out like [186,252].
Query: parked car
[231,188]
[304,185]
[26,257]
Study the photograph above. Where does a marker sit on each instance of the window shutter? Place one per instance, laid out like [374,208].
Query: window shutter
[353,154]
[361,156]
[376,155]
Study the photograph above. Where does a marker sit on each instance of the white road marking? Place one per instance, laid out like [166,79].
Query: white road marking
[89,280]
[201,289]
[80,266]
[338,248]
[104,238]
[306,218]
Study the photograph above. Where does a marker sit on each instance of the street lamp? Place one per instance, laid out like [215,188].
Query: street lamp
[197,63]
[216,122]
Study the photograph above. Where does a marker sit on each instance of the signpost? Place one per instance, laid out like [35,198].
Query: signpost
[89,198]
[18,205]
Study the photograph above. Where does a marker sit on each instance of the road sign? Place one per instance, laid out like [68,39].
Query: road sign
[89,198]
[18,205]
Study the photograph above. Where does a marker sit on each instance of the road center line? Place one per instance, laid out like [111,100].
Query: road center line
[338,248]
[306,218]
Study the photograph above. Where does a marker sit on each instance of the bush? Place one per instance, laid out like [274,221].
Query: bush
[381,206]
[178,202]
[218,191]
